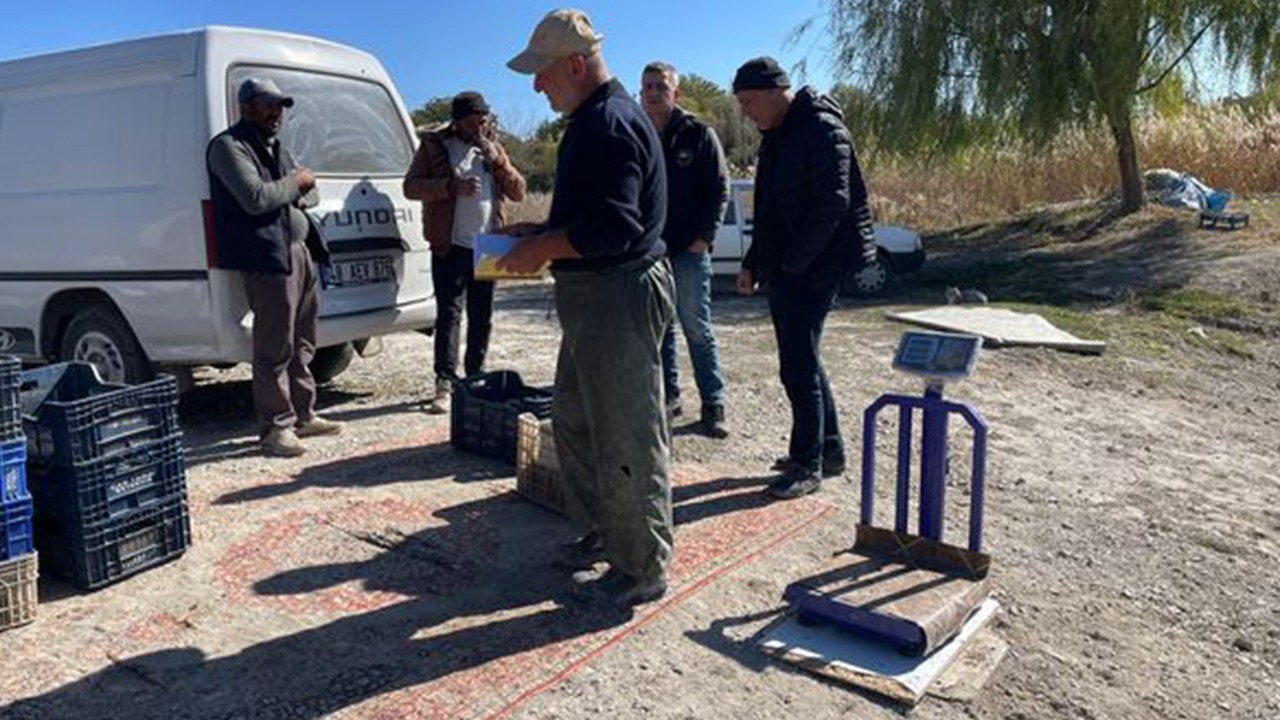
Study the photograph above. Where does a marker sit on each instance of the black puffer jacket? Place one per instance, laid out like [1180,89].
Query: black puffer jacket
[811,214]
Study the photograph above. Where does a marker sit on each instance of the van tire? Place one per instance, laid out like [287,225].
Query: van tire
[329,362]
[871,279]
[99,335]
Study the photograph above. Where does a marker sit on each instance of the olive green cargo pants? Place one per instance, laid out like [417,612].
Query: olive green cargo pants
[611,432]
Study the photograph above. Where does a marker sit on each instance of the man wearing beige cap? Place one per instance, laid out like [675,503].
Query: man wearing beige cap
[615,298]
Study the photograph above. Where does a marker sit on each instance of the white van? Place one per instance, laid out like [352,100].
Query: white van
[106,241]
[898,250]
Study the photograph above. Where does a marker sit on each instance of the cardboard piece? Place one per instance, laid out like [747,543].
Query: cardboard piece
[1000,327]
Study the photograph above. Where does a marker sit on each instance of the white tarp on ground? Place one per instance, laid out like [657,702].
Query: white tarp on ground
[1184,190]
[998,326]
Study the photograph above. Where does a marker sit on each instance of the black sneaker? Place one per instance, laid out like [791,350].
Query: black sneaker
[796,481]
[638,592]
[674,409]
[616,588]
[713,422]
[581,554]
[830,468]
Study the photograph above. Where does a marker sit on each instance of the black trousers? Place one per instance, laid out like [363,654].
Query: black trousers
[799,310]
[455,284]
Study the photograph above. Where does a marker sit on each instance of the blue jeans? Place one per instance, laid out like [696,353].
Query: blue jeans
[799,311]
[693,309]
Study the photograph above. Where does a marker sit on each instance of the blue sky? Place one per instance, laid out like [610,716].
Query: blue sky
[437,48]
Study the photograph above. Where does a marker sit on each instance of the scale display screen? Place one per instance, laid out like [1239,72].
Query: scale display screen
[937,355]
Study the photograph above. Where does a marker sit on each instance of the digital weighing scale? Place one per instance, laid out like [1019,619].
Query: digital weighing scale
[910,590]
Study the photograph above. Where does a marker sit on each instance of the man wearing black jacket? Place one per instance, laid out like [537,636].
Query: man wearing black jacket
[697,190]
[812,228]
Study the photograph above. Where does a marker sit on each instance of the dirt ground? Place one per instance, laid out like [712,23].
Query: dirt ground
[1133,514]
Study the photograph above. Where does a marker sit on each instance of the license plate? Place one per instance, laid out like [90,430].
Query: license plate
[363,271]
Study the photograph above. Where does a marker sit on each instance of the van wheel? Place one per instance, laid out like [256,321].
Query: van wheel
[871,279]
[329,362]
[99,335]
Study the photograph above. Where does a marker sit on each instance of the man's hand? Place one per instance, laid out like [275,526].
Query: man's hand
[306,179]
[466,187]
[699,247]
[528,256]
[488,149]
[746,282]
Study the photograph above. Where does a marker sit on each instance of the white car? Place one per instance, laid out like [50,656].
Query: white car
[108,252]
[898,250]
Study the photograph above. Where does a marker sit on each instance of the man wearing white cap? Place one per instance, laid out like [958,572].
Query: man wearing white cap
[258,195]
[615,298]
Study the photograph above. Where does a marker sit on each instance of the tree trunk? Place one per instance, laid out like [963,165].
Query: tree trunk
[1131,192]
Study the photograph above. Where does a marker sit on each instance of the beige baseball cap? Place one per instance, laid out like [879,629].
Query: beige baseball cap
[561,33]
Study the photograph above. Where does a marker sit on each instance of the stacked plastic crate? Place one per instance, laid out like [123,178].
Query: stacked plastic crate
[18,567]
[107,471]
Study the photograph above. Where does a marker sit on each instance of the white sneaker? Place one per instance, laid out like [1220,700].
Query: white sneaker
[317,426]
[443,397]
[282,442]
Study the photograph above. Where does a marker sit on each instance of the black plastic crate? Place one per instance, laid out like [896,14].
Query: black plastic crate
[15,528]
[71,416]
[119,548]
[89,493]
[10,407]
[13,471]
[485,408]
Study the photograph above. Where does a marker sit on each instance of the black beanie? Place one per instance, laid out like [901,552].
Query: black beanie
[762,73]
[468,103]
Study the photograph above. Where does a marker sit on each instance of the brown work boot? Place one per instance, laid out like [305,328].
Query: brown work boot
[440,402]
[282,442]
[316,426]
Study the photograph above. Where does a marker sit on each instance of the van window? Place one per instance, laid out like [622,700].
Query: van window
[730,214]
[337,125]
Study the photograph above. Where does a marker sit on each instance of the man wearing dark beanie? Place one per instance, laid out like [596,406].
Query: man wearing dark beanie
[812,228]
[463,177]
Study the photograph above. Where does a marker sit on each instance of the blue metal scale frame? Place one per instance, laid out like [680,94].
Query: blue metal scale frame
[911,591]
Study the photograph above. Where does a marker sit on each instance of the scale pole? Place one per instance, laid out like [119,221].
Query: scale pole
[933,463]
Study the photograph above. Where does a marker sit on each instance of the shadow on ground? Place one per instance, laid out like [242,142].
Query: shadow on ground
[218,421]
[477,589]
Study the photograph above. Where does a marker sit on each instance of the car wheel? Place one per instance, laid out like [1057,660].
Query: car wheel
[871,279]
[329,362]
[100,336]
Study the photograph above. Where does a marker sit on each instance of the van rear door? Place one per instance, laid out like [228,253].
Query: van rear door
[351,133]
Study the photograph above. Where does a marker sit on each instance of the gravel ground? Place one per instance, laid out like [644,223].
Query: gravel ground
[1132,517]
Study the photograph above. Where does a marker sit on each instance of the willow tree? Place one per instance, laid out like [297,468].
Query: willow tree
[1038,66]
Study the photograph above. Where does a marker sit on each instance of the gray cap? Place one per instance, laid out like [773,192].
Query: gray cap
[255,87]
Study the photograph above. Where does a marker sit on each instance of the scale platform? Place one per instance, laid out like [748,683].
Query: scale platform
[959,670]
[908,592]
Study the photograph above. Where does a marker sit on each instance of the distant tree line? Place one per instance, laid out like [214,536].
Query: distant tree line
[535,153]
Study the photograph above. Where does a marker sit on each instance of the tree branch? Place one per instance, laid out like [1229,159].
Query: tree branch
[1151,48]
[1177,61]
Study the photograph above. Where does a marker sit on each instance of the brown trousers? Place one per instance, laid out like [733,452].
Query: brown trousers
[284,342]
